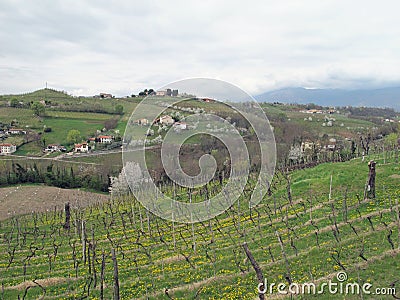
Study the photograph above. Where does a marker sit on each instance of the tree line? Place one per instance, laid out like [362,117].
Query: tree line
[52,175]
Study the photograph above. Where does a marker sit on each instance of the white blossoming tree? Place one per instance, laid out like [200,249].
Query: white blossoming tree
[130,176]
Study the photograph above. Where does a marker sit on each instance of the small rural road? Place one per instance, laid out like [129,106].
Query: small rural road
[70,158]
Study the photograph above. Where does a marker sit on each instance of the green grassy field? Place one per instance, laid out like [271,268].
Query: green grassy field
[59,131]
[78,115]
[61,126]
[206,261]
[23,116]
[62,121]
[40,95]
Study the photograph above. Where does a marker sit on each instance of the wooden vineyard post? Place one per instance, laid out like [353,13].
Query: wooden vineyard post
[102,275]
[67,216]
[93,246]
[384,154]
[371,178]
[398,223]
[116,279]
[305,209]
[83,240]
[289,189]
[173,219]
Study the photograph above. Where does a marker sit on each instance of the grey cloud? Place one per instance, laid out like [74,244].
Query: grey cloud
[125,46]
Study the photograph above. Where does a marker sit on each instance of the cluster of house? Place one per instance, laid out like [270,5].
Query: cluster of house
[318,111]
[297,151]
[164,120]
[85,146]
[309,145]
[8,148]
[81,147]
[208,100]
[196,110]
[13,131]
[55,148]
[390,121]
[161,93]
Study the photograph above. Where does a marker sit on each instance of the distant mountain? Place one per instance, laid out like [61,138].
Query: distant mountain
[384,97]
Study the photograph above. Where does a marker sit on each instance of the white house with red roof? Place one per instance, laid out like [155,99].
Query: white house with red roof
[7,148]
[54,148]
[105,139]
[81,147]
[166,120]
[16,131]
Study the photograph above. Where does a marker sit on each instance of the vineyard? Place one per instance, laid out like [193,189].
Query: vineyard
[315,223]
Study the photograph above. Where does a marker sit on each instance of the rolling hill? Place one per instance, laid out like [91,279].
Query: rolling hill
[384,97]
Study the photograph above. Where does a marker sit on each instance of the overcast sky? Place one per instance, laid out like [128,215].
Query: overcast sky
[121,47]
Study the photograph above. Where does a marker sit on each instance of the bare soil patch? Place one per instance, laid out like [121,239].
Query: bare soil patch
[19,200]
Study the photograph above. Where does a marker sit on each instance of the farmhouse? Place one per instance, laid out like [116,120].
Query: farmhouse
[332,144]
[208,100]
[306,145]
[389,120]
[105,139]
[16,131]
[7,148]
[142,122]
[312,111]
[55,148]
[166,120]
[105,95]
[180,125]
[167,92]
[81,147]
[161,93]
